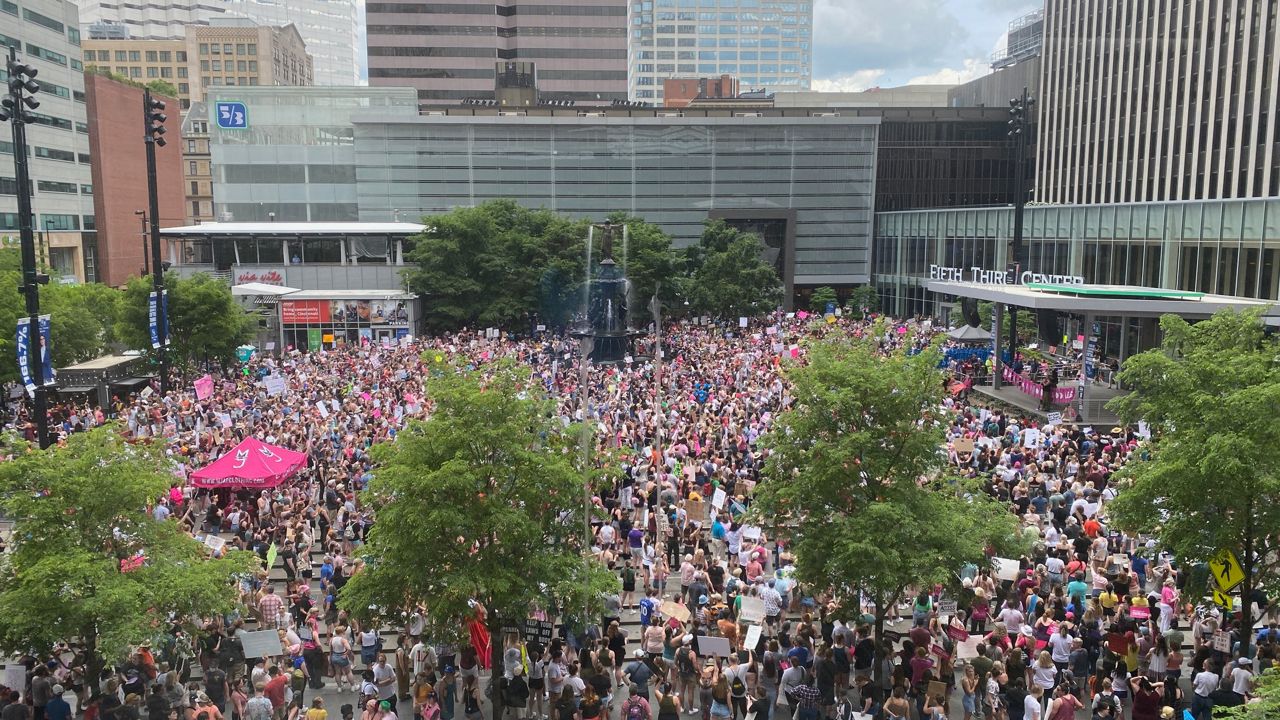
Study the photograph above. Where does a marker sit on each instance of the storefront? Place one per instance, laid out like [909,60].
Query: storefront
[312,320]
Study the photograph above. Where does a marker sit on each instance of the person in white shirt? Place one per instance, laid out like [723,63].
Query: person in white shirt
[1031,704]
[1242,678]
[1204,683]
[1012,619]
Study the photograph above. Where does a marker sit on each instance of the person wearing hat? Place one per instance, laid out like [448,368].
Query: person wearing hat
[447,692]
[1242,680]
[637,674]
[57,708]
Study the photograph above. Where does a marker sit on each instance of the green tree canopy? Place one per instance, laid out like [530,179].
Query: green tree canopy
[864,299]
[821,297]
[855,485]
[78,511]
[205,321]
[1209,482]
[727,275]
[480,502]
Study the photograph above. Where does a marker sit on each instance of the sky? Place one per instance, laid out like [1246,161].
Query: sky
[859,44]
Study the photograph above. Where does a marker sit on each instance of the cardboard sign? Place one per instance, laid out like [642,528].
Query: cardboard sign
[214,543]
[324,409]
[672,610]
[753,638]
[261,643]
[714,646]
[15,676]
[752,610]
[1222,641]
[947,607]
[963,445]
[937,689]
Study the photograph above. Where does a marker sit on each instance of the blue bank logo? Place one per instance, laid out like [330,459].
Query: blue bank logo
[232,116]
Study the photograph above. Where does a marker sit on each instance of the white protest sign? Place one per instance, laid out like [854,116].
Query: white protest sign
[324,409]
[753,637]
[214,543]
[742,322]
[717,500]
[224,419]
[261,643]
[714,646]
[1222,642]
[1006,569]
[1055,418]
[274,384]
[947,607]
[752,610]
[751,532]
[15,676]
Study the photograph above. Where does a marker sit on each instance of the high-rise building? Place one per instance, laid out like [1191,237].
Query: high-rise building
[1014,67]
[762,44]
[328,27]
[142,61]
[450,52]
[46,34]
[236,52]
[197,165]
[1159,101]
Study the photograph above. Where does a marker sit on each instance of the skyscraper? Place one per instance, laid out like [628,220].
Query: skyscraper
[328,27]
[449,52]
[762,43]
[1159,100]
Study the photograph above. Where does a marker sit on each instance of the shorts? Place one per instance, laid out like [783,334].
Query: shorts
[537,683]
[967,703]
[469,672]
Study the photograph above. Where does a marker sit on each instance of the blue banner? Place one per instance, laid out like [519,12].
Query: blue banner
[153,309]
[46,350]
[164,314]
[24,354]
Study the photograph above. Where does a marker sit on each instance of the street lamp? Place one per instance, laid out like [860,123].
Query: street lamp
[146,264]
[1020,122]
[153,123]
[14,108]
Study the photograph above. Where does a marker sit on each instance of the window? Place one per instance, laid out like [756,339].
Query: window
[82,128]
[51,121]
[152,56]
[195,207]
[83,158]
[121,56]
[226,48]
[77,65]
[9,7]
[217,66]
[59,222]
[56,187]
[204,65]
[191,164]
[253,48]
[135,72]
[195,187]
[242,66]
[86,189]
[253,66]
[8,186]
[135,56]
[55,154]
[43,20]
[183,88]
[153,71]
[165,55]
[49,55]
[166,72]
[204,48]
[180,56]
[240,48]
[73,34]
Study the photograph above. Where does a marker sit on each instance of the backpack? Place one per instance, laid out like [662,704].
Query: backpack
[737,687]
[635,711]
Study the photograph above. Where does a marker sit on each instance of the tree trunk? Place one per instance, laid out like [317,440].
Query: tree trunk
[93,664]
[1246,587]
[496,642]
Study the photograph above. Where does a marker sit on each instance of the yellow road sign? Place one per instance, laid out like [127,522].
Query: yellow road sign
[1222,599]
[1227,573]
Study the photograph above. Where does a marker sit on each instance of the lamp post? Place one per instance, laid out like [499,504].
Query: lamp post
[15,107]
[153,122]
[1020,122]
[146,263]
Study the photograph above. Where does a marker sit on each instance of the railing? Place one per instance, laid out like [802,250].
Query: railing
[1061,395]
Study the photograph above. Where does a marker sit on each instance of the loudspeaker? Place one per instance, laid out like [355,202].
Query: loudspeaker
[969,310]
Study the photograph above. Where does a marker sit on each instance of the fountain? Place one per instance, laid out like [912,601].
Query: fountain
[605,323]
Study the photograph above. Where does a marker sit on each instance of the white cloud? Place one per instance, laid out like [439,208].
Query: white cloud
[972,69]
[850,82]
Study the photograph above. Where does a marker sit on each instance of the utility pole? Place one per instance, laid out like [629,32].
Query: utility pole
[655,307]
[1020,123]
[15,107]
[153,118]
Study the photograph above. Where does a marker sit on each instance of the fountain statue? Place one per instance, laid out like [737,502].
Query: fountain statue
[606,318]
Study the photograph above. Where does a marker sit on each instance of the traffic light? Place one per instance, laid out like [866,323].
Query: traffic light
[22,86]
[155,121]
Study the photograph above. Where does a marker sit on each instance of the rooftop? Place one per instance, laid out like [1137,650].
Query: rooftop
[1122,300]
[293,229]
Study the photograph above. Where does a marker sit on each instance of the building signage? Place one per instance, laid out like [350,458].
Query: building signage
[232,115]
[264,275]
[307,312]
[999,277]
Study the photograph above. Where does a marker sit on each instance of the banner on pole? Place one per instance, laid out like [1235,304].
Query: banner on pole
[164,314]
[24,355]
[46,350]
[153,319]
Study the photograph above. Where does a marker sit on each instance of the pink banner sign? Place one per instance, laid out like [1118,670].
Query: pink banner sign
[204,387]
[1061,395]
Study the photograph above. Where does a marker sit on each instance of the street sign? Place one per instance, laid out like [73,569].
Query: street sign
[1226,570]
[232,115]
[1222,599]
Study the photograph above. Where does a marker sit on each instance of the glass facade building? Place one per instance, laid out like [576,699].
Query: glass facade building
[1221,247]
[807,183]
[762,43]
[296,159]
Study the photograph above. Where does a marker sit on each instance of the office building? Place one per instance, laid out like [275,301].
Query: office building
[1015,67]
[762,44]
[679,92]
[329,28]
[902,96]
[239,53]
[450,52]
[46,34]
[142,61]
[295,161]
[120,174]
[1159,101]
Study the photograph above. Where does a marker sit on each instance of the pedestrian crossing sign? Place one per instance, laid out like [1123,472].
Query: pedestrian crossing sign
[1222,599]
[1227,573]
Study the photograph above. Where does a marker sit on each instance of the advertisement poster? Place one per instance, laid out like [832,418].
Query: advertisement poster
[153,318]
[313,339]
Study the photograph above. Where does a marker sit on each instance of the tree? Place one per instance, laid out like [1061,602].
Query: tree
[484,491]
[1266,703]
[78,512]
[727,274]
[865,299]
[163,87]
[855,486]
[205,321]
[1210,394]
[821,298]
[651,264]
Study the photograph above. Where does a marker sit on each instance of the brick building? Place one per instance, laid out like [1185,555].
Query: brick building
[116,128]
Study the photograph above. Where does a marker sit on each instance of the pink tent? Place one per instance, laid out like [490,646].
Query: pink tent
[252,464]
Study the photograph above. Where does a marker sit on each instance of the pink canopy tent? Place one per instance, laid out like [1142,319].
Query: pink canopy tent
[252,464]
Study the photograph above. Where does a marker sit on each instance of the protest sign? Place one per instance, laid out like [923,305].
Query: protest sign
[752,610]
[261,643]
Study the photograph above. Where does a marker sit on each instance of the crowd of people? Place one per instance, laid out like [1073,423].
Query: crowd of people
[710,621]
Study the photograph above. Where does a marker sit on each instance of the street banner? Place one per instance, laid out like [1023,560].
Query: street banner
[24,355]
[153,319]
[46,348]
[164,315]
